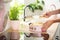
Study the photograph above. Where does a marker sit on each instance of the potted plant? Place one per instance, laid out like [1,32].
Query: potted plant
[14,21]
[15,11]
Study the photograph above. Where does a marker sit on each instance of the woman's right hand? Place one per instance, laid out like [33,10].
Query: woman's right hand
[54,12]
[47,14]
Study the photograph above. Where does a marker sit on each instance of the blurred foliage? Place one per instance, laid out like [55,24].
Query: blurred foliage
[15,11]
[38,5]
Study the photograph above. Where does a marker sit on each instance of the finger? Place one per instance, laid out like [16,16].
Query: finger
[43,29]
[31,28]
[46,15]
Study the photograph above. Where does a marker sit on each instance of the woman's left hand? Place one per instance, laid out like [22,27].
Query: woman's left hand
[46,25]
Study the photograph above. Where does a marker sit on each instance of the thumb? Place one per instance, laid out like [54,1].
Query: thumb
[43,29]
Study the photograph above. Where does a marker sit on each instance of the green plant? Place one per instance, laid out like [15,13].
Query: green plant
[15,11]
[38,5]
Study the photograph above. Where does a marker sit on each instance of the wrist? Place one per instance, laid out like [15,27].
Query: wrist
[53,21]
[57,20]
[55,12]
[43,29]
[59,10]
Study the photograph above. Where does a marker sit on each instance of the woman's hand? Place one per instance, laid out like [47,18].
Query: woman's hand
[47,14]
[46,25]
[54,12]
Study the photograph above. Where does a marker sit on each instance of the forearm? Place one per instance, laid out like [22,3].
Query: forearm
[49,23]
[55,12]
[57,20]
